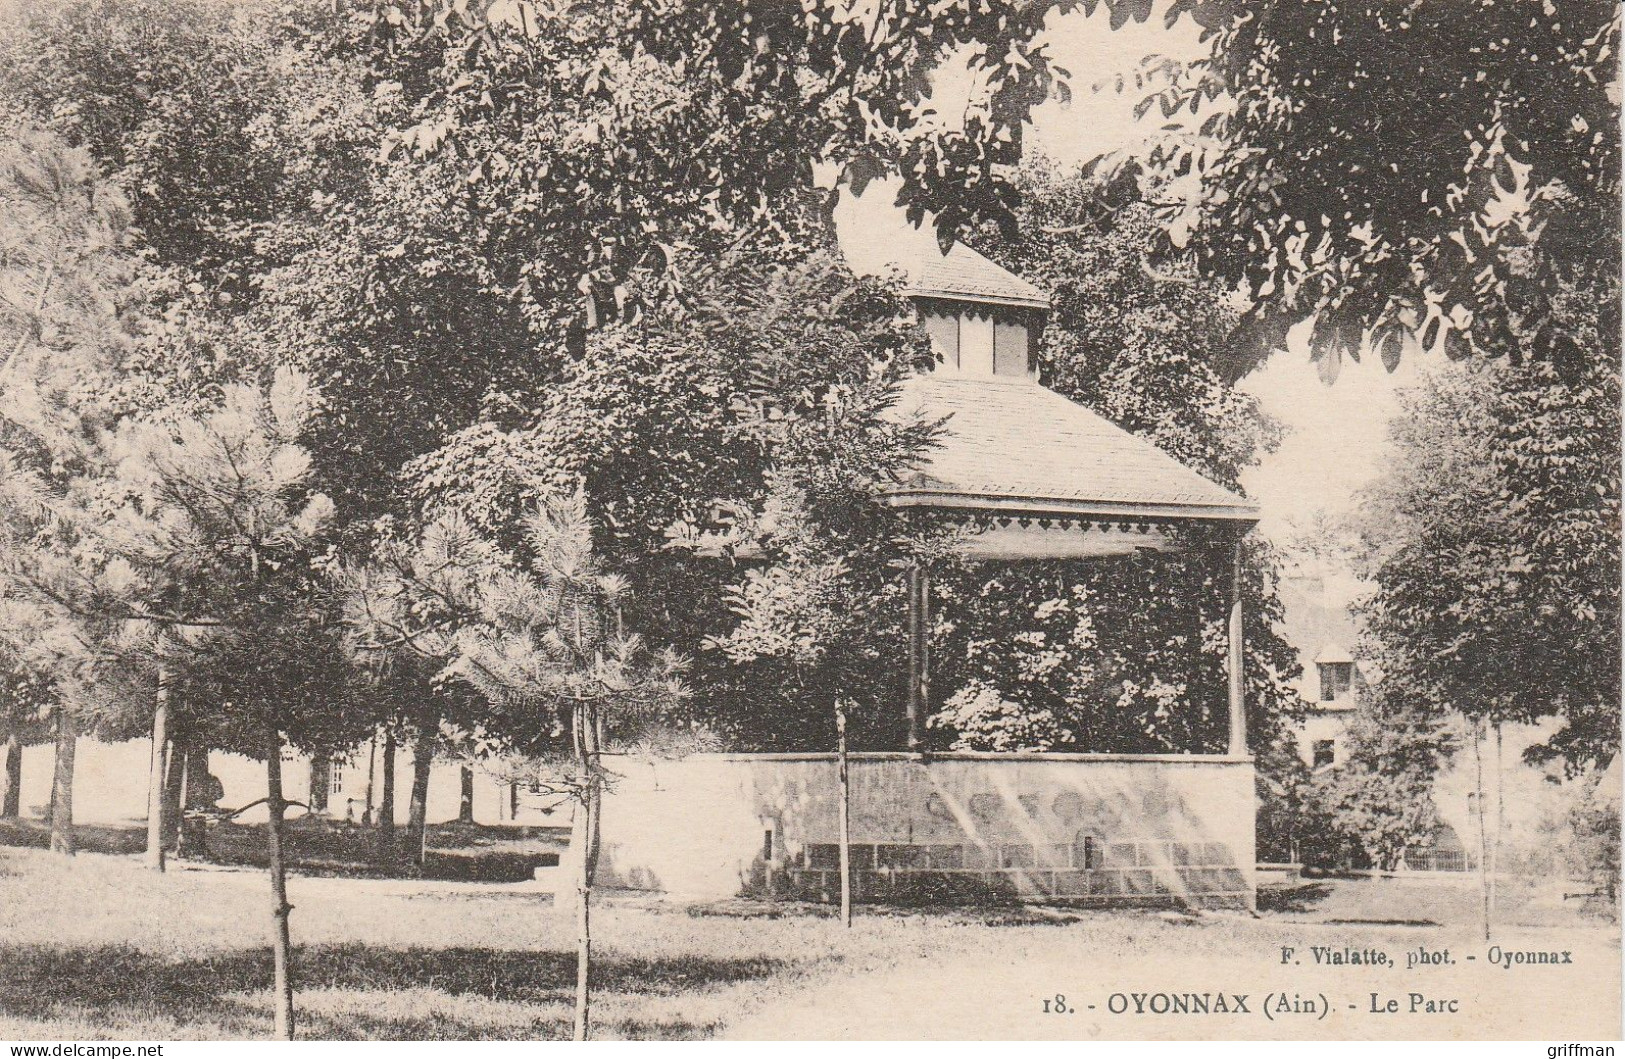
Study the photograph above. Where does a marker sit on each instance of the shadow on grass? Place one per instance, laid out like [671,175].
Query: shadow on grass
[467,852]
[1296,899]
[113,985]
[316,850]
[118,839]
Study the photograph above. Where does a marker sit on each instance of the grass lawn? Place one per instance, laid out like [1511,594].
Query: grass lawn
[97,947]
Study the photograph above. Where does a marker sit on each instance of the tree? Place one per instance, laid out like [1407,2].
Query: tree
[545,173]
[674,427]
[69,290]
[212,118]
[819,609]
[410,699]
[1493,542]
[1456,226]
[815,612]
[184,556]
[1381,795]
[220,522]
[67,743]
[1494,545]
[1294,824]
[824,86]
[540,637]
[25,703]
[1591,849]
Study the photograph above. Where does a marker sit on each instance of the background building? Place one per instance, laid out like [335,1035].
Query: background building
[1523,804]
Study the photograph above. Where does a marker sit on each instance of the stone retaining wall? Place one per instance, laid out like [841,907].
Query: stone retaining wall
[1089,829]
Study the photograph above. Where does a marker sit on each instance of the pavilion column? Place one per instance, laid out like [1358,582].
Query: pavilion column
[919,652]
[1235,662]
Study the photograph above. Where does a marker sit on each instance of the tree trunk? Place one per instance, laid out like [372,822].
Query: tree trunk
[198,794]
[321,778]
[1483,842]
[417,815]
[156,774]
[595,795]
[583,927]
[174,793]
[845,821]
[12,802]
[67,742]
[184,844]
[586,835]
[1500,814]
[465,807]
[281,940]
[386,803]
[367,816]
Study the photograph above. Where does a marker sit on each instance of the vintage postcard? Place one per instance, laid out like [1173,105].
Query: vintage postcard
[1081,520]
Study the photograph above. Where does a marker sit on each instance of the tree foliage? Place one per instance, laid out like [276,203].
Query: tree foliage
[1590,847]
[210,117]
[535,633]
[67,324]
[701,110]
[819,613]
[1417,175]
[1493,541]
[26,701]
[541,171]
[698,439]
[1380,796]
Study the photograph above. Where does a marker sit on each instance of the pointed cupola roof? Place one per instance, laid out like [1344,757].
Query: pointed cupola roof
[964,275]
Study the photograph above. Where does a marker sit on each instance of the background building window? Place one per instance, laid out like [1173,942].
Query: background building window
[1336,678]
[1325,752]
[335,777]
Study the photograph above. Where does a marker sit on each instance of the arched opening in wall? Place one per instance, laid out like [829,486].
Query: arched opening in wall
[1088,851]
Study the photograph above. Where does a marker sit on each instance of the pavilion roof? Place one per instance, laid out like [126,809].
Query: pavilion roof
[964,275]
[1016,446]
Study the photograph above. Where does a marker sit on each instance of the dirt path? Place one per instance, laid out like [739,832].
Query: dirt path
[996,988]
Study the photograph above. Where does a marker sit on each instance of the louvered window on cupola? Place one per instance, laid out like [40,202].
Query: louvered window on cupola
[943,327]
[979,343]
[1010,354]
[975,344]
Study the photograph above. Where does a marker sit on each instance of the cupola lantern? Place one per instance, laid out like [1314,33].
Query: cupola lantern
[983,321]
